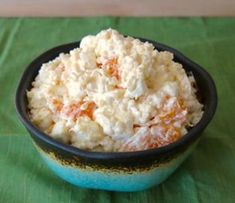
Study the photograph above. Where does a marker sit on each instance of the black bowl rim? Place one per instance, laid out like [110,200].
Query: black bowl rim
[194,133]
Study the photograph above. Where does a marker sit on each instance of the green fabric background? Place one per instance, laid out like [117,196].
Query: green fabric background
[208,175]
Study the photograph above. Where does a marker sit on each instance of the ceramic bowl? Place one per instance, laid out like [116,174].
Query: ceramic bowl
[116,171]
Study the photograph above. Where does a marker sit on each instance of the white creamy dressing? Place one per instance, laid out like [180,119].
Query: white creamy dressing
[131,91]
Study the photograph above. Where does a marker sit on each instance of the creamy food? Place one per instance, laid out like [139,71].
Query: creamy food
[114,93]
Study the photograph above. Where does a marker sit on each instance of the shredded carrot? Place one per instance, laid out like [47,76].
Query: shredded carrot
[57,82]
[149,142]
[58,104]
[168,116]
[75,111]
[165,133]
[112,68]
[99,65]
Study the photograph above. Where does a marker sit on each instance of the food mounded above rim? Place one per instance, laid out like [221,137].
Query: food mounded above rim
[114,93]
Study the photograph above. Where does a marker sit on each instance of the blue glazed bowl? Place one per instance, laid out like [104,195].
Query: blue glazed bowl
[116,171]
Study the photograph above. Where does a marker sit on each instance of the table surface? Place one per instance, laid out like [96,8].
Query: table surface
[117,8]
[208,175]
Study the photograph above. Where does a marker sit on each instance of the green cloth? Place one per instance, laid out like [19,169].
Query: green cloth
[208,175]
